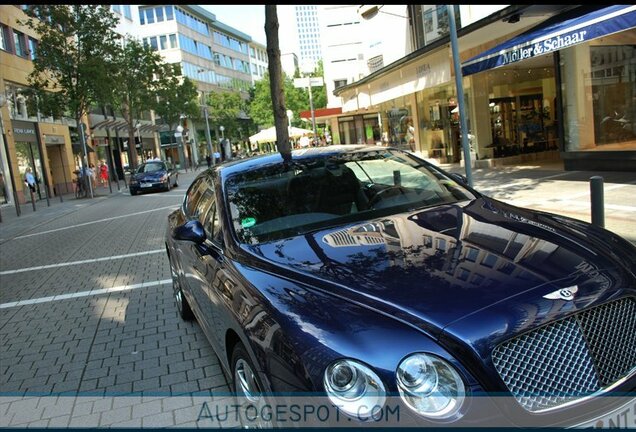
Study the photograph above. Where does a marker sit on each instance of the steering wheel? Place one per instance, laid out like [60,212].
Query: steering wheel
[384,193]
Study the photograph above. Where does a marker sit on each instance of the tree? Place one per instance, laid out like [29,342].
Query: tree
[296,99]
[140,73]
[276,82]
[176,97]
[225,109]
[72,69]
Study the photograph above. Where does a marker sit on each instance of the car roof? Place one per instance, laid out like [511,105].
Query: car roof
[241,165]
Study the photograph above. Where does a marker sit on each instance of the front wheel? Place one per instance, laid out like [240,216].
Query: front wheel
[248,389]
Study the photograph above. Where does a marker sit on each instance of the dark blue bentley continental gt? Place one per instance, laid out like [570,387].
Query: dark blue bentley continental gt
[373,279]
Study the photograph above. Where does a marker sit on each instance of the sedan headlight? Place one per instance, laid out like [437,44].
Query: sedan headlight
[430,386]
[354,388]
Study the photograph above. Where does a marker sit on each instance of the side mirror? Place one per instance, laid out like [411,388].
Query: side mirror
[458,178]
[190,231]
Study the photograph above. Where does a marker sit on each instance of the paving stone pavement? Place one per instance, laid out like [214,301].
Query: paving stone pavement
[112,351]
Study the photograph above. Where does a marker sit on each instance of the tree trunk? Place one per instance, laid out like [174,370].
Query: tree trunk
[132,146]
[276,82]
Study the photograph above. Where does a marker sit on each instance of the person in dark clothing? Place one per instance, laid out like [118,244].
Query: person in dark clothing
[208,160]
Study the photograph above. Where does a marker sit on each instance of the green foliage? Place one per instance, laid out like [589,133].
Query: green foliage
[296,99]
[226,109]
[177,96]
[137,69]
[72,69]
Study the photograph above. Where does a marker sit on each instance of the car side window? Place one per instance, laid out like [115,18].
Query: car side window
[211,224]
[193,197]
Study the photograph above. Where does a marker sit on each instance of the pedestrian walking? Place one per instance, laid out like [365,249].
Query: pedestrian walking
[29,179]
[103,173]
[93,175]
[208,160]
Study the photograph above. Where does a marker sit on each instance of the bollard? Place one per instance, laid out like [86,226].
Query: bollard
[596,196]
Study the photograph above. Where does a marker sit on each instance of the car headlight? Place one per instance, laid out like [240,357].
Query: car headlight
[430,386]
[164,178]
[354,388]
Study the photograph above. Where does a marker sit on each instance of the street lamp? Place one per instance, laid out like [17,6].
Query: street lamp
[179,135]
[307,69]
[137,126]
[222,134]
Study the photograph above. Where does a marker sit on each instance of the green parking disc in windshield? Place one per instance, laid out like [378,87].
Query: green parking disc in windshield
[248,222]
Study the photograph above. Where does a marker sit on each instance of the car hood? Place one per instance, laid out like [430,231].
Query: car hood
[436,266]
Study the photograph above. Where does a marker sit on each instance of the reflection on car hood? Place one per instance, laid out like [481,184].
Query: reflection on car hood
[435,266]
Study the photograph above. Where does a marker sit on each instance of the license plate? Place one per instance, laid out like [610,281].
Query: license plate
[144,185]
[622,417]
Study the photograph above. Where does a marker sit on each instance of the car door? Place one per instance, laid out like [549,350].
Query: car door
[187,251]
[211,268]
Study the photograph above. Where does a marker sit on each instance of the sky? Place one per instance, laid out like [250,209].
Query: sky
[249,19]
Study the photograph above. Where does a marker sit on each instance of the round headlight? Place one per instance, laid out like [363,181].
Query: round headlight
[354,388]
[430,386]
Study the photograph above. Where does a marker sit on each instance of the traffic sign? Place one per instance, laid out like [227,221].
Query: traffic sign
[304,82]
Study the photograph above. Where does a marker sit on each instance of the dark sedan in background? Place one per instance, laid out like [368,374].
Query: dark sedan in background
[370,277]
[153,176]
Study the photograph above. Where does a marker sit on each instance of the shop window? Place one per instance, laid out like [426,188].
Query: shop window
[614,95]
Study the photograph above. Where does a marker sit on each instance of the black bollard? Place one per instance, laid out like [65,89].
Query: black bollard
[596,196]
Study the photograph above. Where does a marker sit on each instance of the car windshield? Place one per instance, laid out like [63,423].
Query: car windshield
[151,167]
[281,200]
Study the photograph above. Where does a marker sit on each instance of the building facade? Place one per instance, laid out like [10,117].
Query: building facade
[213,55]
[29,140]
[259,63]
[547,106]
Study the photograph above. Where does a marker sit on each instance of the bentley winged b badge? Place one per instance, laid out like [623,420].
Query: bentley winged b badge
[563,293]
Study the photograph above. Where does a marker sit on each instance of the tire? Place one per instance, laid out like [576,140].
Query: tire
[185,312]
[133,193]
[247,387]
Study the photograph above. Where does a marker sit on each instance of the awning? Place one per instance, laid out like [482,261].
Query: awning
[551,36]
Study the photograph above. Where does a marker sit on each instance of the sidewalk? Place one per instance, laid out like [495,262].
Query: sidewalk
[547,187]
[13,225]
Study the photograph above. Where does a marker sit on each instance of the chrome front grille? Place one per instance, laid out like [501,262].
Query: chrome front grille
[570,358]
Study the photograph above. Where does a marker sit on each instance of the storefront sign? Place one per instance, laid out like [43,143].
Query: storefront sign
[554,36]
[423,70]
[23,131]
[546,46]
[53,139]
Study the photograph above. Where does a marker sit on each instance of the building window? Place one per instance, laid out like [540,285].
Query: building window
[19,43]
[339,83]
[142,17]
[163,42]
[116,8]
[150,16]
[127,12]
[169,16]
[33,45]
[153,43]
[159,13]
[173,41]
[4,40]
